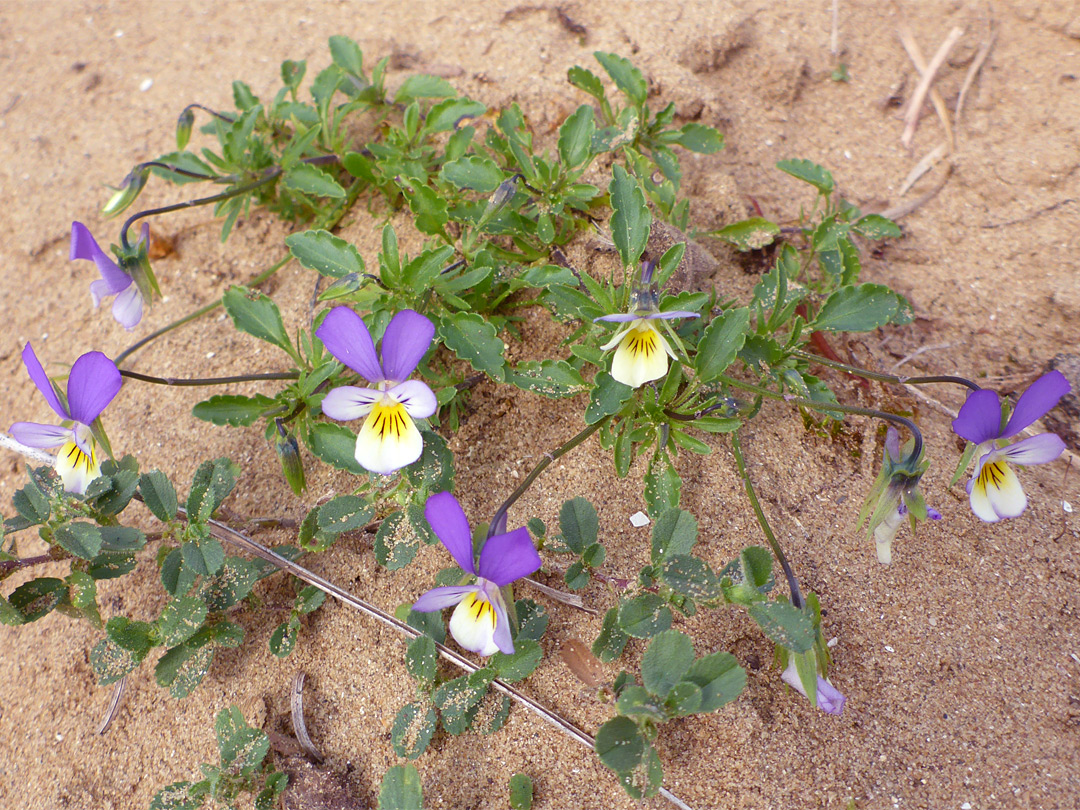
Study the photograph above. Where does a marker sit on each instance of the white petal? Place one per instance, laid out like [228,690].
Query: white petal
[1040,449]
[618,336]
[997,493]
[418,399]
[388,440]
[348,402]
[77,469]
[642,356]
[473,625]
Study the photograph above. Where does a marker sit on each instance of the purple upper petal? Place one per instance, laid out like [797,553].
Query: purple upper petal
[34,435]
[406,340]
[1041,396]
[830,700]
[619,317]
[979,419]
[41,380]
[1039,449]
[450,525]
[444,597]
[92,384]
[346,336]
[84,246]
[675,313]
[507,557]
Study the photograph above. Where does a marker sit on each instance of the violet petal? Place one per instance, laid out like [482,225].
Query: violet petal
[450,525]
[41,380]
[507,557]
[502,638]
[84,246]
[830,699]
[127,308]
[348,402]
[1041,396]
[34,435]
[92,384]
[620,317]
[404,344]
[675,313]
[1039,449]
[892,444]
[443,597]
[980,417]
[346,336]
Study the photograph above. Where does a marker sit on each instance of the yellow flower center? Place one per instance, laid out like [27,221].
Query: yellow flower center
[479,608]
[389,419]
[641,341]
[992,474]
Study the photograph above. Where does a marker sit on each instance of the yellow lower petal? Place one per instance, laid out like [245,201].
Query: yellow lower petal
[642,356]
[473,625]
[75,468]
[997,493]
[389,439]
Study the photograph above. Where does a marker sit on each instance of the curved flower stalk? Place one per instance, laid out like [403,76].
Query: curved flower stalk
[480,622]
[896,494]
[994,489]
[829,699]
[642,353]
[93,382]
[128,306]
[389,439]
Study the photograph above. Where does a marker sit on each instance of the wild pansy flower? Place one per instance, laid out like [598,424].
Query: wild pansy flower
[895,494]
[829,699]
[480,622]
[643,352]
[92,384]
[994,489]
[127,308]
[389,439]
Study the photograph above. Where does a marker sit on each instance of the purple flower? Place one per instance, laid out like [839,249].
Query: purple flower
[896,494]
[994,489]
[92,384]
[480,622]
[127,308]
[829,699]
[389,439]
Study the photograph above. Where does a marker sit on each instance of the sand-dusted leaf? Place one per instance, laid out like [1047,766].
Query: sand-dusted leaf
[875,226]
[720,678]
[234,582]
[749,234]
[662,484]
[457,699]
[619,744]
[400,789]
[554,379]
[242,747]
[158,494]
[612,640]
[644,616]
[666,660]
[607,398]
[283,638]
[421,659]
[183,667]
[344,513]
[329,255]
[396,542]
[521,663]
[784,624]
[690,576]
[413,728]
[532,619]
[637,702]
[434,470]
[203,555]
[111,662]
[38,597]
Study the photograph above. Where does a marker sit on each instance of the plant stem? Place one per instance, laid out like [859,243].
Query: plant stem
[889,378]
[283,375]
[789,573]
[7,566]
[542,465]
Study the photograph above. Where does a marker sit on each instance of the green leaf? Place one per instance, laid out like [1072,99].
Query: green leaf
[242,747]
[521,792]
[720,677]
[292,73]
[309,600]
[38,597]
[674,533]
[856,309]
[413,728]
[308,179]
[455,699]
[626,77]
[756,564]
[344,513]
[619,745]
[532,619]
[336,445]
[232,409]
[175,576]
[644,616]
[139,637]
[784,624]
[808,172]
[555,379]
[699,138]
[183,667]
[662,484]
[181,619]
[434,470]
[575,137]
[521,663]
[283,639]
[396,542]
[630,218]
[321,251]
[635,701]
[347,55]
[666,660]
[875,226]
[238,576]
[82,594]
[690,576]
[684,699]
[9,615]
[258,315]
[586,80]
[422,659]
[203,555]
[159,495]
[749,234]
[31,504]
[400,789]
[607,398]
[474,172]
[475,341]
[720,344]
[611,641]
[446,115]
[81,539]
[423,86]
[425,268]
[111,662]
[579,524]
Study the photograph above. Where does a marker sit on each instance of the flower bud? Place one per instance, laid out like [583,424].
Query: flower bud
[288,452]
[128,191]
[346,285]
[183,127]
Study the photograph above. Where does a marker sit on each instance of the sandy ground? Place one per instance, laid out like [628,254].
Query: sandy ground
[959,661]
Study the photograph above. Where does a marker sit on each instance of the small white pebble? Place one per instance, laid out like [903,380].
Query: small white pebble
[889,649]
[209,355]
[1075,657]
[118,33]
[59,737]
[1066,506]
[965,806]
[847,154]
[639,519]
[146,84]
[832,642]
[768,141]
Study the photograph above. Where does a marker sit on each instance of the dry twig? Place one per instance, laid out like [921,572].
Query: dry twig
[911,117]
[976,64]
[296,708]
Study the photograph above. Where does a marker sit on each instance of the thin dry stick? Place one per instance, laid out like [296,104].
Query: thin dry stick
[114,705]
[571,599]
[911,117]
[903,209]
[834,40]
[923,166]
[973,71]
[914,52]
[296,708]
